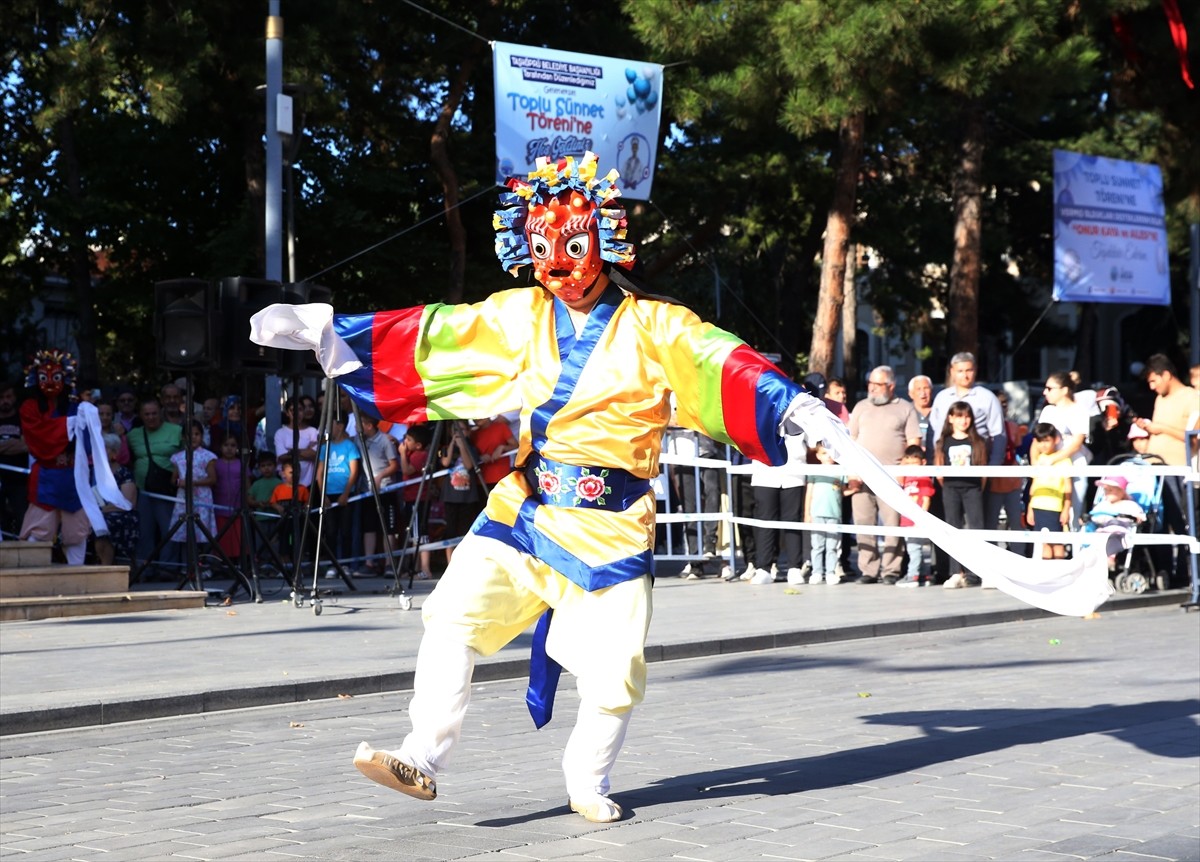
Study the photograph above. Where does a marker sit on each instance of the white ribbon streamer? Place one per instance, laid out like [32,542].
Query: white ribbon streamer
[1074,587]
[87,426]
[305,327]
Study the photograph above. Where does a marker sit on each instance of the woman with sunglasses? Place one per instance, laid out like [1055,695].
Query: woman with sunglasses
[1072,420]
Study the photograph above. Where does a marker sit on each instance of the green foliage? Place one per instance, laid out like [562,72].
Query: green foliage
[133,138]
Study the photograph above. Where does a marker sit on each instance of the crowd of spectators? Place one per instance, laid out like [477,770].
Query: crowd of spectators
[967,424]
[232,473]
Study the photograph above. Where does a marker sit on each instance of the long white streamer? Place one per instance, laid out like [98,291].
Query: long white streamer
[87,426]
[1074,587]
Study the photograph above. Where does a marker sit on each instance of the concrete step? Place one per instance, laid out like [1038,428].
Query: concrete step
[52,607]
[60,580]
[15,554]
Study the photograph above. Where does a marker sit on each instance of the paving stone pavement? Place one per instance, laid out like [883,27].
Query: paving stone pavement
[1050,739]
[84,671]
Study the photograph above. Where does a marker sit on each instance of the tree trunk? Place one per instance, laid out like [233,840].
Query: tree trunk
[79,267]
[439,154]
[850,321]
[837,239]
[967,267]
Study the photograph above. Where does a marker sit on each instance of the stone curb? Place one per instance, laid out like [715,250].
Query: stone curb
[138,709]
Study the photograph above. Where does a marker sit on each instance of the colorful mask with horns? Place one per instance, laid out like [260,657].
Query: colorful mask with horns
[564,222]
[51,371]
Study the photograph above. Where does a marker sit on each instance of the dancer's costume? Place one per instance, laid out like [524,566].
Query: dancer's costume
[61,496]
[572,530]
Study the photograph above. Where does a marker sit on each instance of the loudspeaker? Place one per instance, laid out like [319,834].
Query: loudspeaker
[302,363]
[240,299]
[185,328]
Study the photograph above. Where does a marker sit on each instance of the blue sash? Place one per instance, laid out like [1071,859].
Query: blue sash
[573,353]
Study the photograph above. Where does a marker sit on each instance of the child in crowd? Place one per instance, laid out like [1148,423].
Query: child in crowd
[336,475]
[962,496]
[920,490]
[283,503]
[1049,495]
[414,455]
[204,477]
[227,495]
[823,505]
[259,495]
[493,440]
[1115,507]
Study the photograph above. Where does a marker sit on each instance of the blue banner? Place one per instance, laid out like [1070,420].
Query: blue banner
[554,104]
[1110,231]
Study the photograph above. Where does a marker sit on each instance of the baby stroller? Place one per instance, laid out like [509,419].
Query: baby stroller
[1134,569]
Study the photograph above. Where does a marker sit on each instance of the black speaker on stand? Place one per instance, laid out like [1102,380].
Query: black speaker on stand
[185,324]
[187,335]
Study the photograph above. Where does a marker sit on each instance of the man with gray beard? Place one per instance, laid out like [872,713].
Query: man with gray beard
[885,426]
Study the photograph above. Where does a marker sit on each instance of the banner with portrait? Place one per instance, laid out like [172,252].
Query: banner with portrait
[1110,231]
[556,103]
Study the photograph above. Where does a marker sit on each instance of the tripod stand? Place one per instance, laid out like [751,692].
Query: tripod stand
[411,546]
[325,446]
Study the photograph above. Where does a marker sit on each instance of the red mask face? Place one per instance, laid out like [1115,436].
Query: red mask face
[50,379]
[564,246]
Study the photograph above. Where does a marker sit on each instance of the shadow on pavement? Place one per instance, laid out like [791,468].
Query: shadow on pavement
[993,730]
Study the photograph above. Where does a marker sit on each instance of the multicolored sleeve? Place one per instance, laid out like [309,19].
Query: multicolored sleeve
[432,362]
[724,388]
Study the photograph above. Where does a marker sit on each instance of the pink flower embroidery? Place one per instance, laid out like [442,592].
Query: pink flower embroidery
[549,483]
[590,488]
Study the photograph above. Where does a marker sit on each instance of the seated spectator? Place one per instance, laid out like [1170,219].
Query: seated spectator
[1115,505]
[121,540]
[110,425]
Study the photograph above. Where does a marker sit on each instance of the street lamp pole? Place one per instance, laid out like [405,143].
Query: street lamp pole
[273,234]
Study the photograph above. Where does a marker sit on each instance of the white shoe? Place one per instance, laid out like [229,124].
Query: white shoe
[795,576]
[762,576]
[833,580]
[820,579]
[685,571]
[774,570]
[807,567]
[331,573]
[749,573]
[728,573]
[909,581]
[955,582]
[599,809]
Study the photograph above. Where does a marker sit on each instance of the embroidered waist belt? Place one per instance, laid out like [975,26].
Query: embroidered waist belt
[558,484]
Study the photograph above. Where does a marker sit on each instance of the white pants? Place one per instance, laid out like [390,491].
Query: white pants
[490,594]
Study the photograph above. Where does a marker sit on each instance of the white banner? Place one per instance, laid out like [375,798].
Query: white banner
[1110,231]
[555,103]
